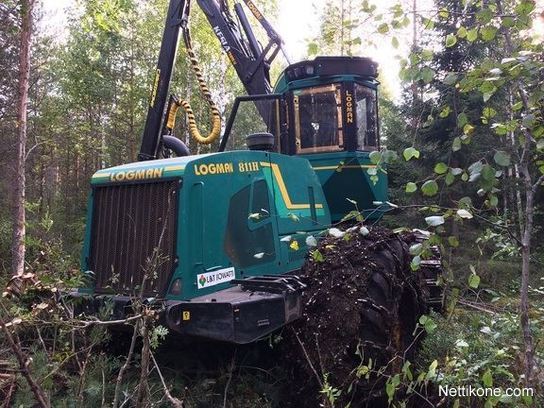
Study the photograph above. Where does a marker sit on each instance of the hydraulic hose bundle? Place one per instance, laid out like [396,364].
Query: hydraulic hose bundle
[175,103]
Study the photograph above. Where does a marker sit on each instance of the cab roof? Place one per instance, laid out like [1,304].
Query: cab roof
[313,72]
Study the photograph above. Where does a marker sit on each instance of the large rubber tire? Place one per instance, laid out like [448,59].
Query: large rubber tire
[361,309]
[396,298]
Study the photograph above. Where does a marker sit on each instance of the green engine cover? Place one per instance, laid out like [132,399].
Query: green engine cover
[239,214]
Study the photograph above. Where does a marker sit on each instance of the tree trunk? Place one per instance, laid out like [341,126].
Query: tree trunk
[525,274]
[526,229]
[19,180]
[342,27]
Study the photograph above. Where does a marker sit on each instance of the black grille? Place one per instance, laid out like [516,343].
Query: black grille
[134,234]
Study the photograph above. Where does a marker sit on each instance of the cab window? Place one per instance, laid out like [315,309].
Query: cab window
[366,118]
[318,119]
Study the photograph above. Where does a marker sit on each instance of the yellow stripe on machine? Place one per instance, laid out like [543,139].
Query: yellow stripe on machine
[101,175]
[341,167]
[283,189]
[174,168]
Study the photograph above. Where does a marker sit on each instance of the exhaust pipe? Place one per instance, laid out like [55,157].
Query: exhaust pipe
[176,145]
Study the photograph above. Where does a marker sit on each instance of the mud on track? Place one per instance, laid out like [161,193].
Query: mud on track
[361,307]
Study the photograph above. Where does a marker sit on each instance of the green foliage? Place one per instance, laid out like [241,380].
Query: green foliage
[429,188]
[476,349]
[451,40]
[502,246]
[466,349]
[461,117]
[411,187]
[440,168]
[5,242]
[428,324]
[337,30]
[410,153]
[331,393]
[157,335]
[317,256]
[502,158]
[474,281]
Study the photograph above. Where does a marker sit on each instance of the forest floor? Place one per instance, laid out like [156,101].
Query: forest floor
[478,335]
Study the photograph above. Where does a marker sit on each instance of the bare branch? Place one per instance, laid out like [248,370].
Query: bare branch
[476,306]
[89,323]
[24,364]
[176,403]
[125,366]
[318,378]
[31,149]
[538,183]
[231,369]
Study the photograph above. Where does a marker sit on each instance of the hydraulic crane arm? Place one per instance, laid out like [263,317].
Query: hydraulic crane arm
[250,60]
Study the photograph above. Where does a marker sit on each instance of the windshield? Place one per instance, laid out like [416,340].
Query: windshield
[319,115]
[318,119]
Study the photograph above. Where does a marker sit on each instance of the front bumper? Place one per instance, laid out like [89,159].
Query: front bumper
[241,314]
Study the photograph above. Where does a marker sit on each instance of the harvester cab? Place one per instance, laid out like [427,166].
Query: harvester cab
[325,110]
[217,240]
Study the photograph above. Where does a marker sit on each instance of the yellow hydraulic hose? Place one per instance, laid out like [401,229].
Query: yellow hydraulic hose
[215,115]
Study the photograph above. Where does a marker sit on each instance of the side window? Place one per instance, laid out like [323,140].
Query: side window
[249,240]
[318,119]
[252,116]
[367,118]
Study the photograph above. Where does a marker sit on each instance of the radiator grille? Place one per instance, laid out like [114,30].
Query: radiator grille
[129,223]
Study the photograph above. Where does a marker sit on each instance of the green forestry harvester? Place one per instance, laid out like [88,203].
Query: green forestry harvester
[218,241]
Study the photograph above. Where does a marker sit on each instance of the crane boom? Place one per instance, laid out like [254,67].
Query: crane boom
[250,60]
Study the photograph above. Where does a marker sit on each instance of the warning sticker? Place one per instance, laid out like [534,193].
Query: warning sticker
[205,280]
